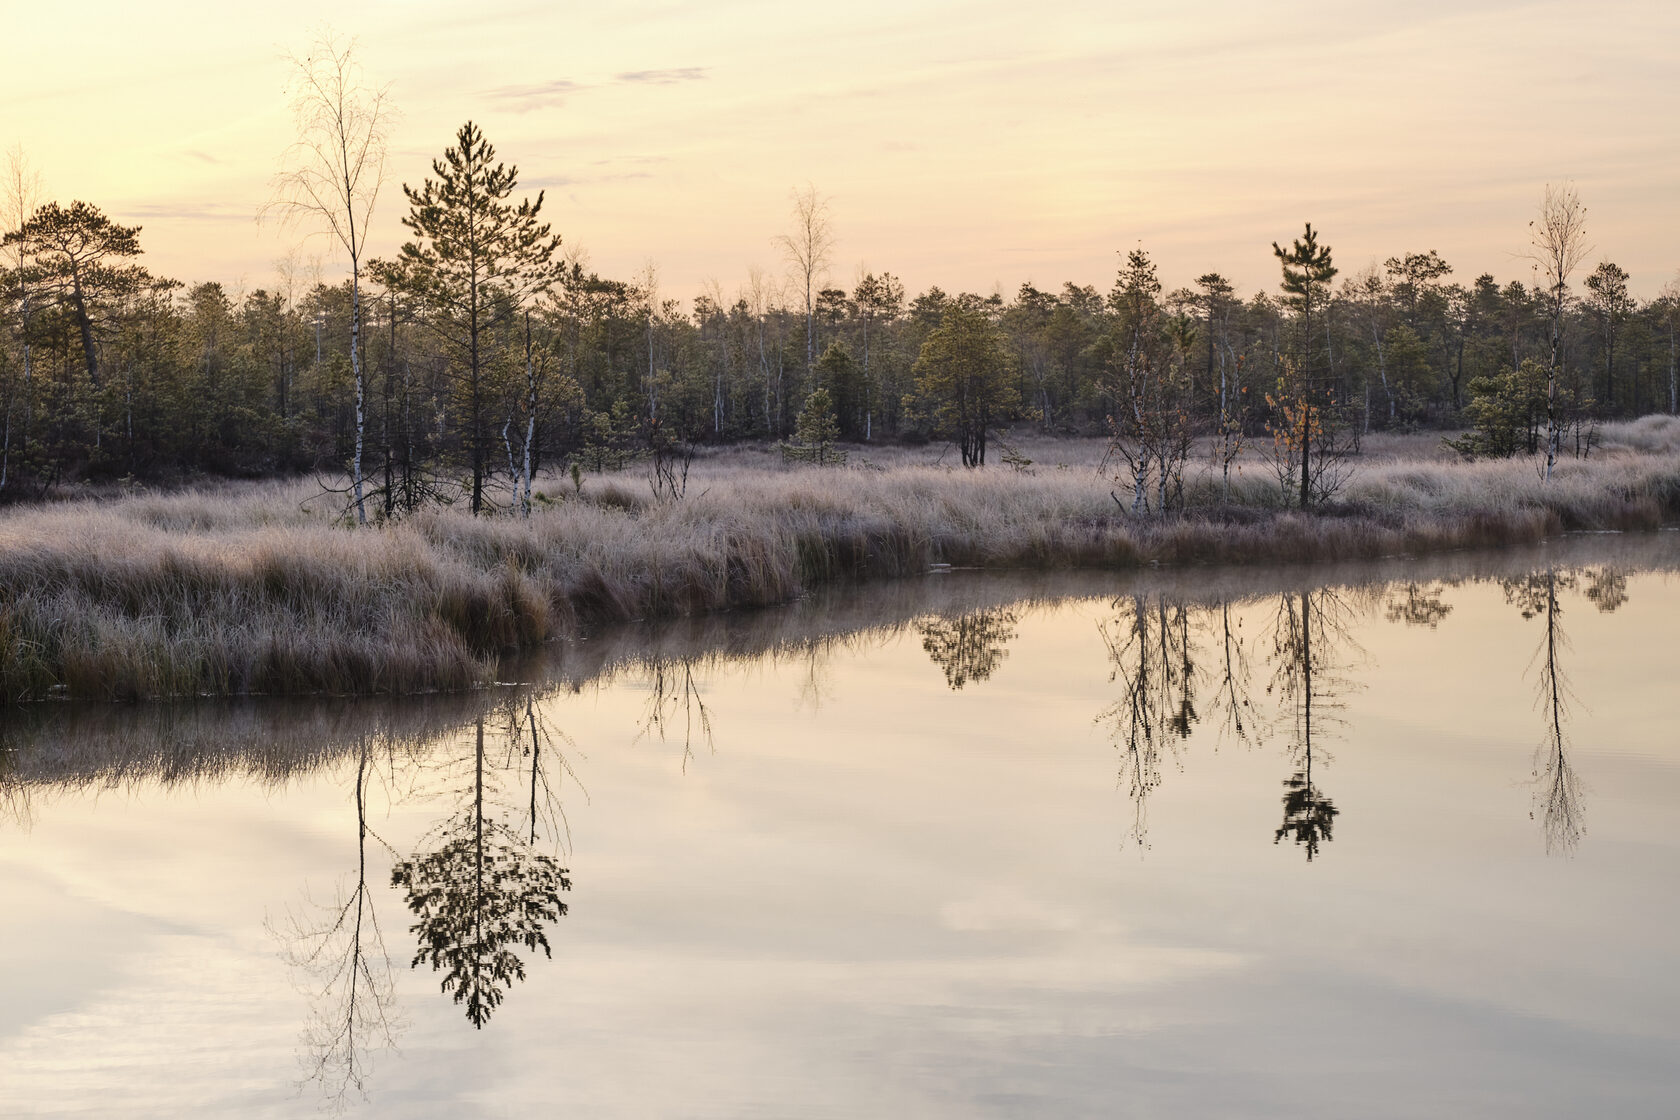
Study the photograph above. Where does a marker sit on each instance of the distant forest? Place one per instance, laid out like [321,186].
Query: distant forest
[496,357]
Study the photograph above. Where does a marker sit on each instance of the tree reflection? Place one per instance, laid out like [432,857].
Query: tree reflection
[1152,655]
[673,690]
[970,647]
[1557,789]
[1607,588]
[1232,702]
[484,890]
[532,732]
[340,951]
[1311,639]
[1418,604]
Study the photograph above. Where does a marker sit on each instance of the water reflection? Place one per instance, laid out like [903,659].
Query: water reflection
[1418,604]
[1275,665]
[1557,788]
[1312,651]
[969,647]
[1151,657]
[483,889]
[338,952]
[675,700]
[1233,705]
[1158,652]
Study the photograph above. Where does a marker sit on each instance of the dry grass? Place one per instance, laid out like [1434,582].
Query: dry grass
[251,590]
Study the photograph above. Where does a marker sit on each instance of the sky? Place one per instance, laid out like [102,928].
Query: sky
[975,146]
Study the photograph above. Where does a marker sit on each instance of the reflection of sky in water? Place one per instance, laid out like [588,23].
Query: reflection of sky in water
[880,895]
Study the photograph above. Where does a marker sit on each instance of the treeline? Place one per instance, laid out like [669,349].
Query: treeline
[522,358]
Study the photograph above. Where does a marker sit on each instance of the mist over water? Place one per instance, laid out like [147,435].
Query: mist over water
[1385,840]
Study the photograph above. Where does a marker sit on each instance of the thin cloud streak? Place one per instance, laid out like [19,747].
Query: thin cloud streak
[549,94]
[525,98]
[663,77]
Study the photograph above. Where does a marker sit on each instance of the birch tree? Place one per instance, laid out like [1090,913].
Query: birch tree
[331,177]
[1558,245]
[808,248]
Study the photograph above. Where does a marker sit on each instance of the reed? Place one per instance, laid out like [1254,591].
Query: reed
[257,589]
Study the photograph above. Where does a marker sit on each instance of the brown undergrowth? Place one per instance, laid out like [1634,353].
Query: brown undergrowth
[251,591]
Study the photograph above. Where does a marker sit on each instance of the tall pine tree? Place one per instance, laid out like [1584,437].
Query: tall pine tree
[476,260]
[1307,272]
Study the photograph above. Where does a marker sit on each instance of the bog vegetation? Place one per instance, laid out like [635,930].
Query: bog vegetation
[261,588]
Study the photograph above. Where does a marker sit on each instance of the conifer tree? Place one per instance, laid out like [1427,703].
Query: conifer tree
[476,260]
[816,427]
[74,251]
[1307,273]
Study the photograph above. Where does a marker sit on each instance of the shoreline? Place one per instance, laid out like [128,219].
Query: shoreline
[207,594]
[271,738]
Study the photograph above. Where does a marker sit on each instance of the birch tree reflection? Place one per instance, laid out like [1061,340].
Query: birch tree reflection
[674,691]
[1232,706]
[970,647]
[1311,646]
[339,951]
[1151,653]
[486,888]
[1557,788]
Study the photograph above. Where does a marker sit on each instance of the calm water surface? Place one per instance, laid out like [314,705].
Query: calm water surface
[1385,841]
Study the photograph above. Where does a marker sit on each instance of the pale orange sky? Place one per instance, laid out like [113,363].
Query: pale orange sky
[970,145]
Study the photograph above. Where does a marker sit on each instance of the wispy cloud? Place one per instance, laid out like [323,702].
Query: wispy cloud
[527,97]
[662,77]
[186,211]
[552,182]
[203,157]
[542,95]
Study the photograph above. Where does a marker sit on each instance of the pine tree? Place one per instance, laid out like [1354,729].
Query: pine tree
[476,261]
[1307,272]
[816,427]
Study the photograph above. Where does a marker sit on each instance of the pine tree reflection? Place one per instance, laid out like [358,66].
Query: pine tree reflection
[340,952]
[1418,604]
[1607,588]
[969,647]
[483,890]
[1311,639]
[1152,656]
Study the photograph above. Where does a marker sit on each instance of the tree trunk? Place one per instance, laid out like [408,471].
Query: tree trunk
[1306,403]
[475,422]
[530,417]
[1673,373]
[361,387]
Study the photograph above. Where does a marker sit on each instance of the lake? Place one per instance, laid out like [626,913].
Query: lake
[1395,839]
